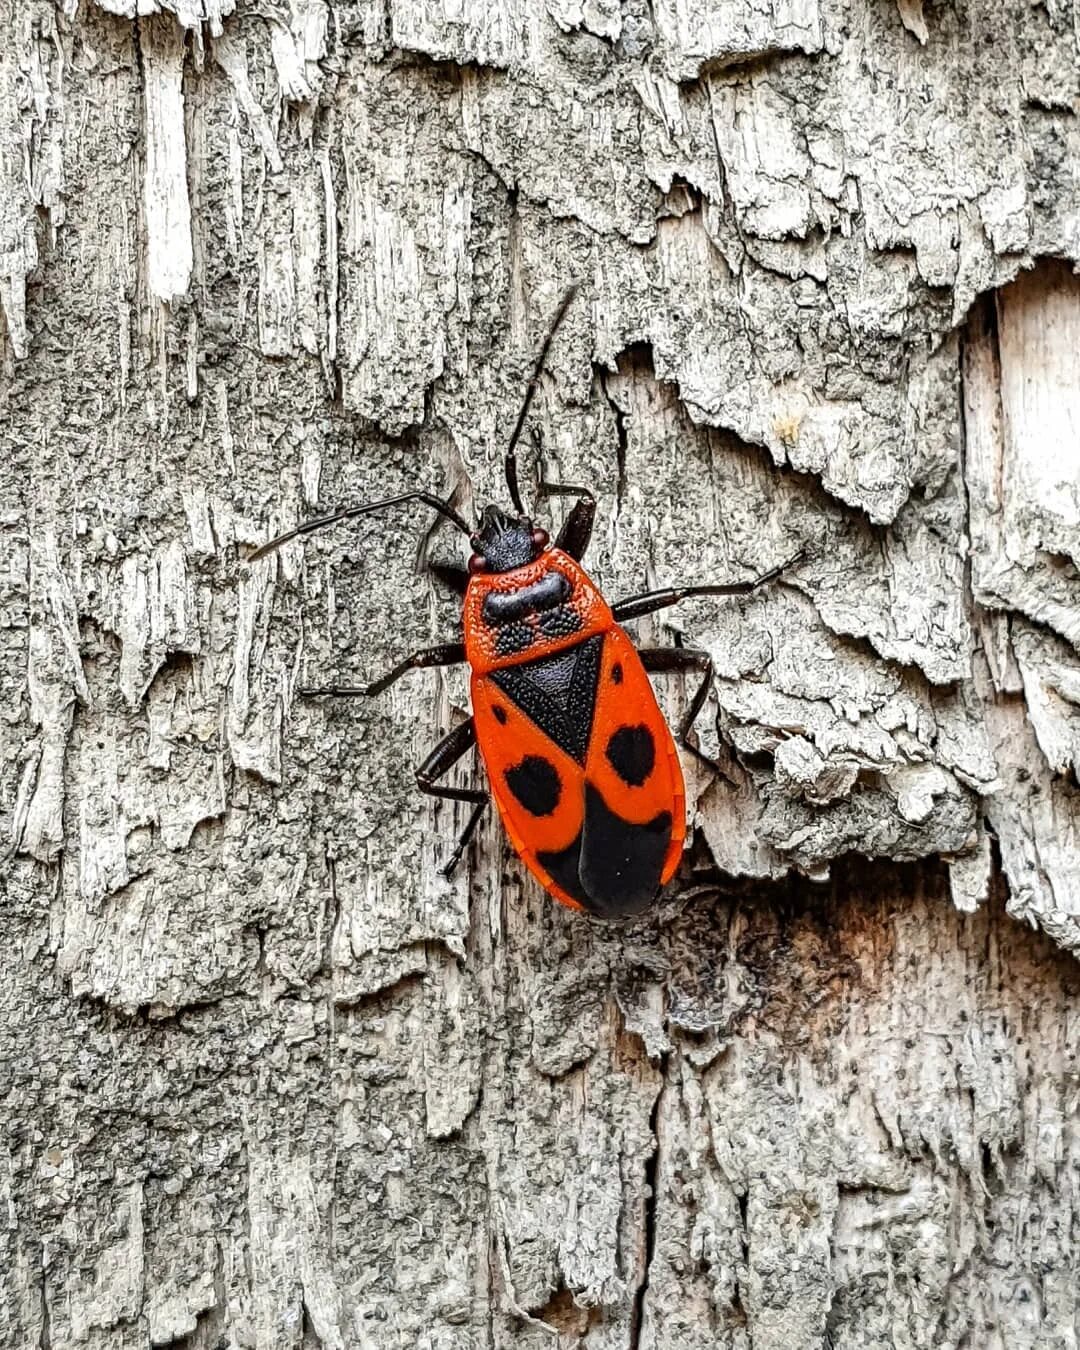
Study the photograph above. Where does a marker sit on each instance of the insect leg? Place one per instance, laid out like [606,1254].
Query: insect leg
[576,530]
[446,754]
[662,659]
[453,577]
[476,815]
[449,654]
[634,606]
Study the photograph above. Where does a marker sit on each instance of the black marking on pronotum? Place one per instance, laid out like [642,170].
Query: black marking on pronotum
[535,783]
[612,867]
[558,693]
[561,622]
[499,713]
[631,752]
[616,672]
[505,606]
[514,638]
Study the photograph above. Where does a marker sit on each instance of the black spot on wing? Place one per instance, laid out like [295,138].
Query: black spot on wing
[613,867]
[558,693]
[631,752]
[536,784]
[500,713]
[616,672]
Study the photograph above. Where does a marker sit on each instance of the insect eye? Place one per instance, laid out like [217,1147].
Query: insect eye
[540,539]
[477,563]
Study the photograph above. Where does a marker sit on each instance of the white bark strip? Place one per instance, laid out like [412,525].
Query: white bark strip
[165,194]
[189,13]
[723,33]
[54,680]
[31,154]
[1022,405]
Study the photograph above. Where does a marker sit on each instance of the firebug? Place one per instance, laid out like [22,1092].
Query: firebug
[579,758]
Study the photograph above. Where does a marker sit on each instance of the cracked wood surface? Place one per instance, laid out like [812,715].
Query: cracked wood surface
[269,1080]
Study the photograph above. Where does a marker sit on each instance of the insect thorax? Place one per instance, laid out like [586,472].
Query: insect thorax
[531,612]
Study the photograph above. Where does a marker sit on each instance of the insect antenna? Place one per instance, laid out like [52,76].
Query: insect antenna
[364,509]
[510,463]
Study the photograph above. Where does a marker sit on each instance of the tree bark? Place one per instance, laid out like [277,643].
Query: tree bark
[269,1081]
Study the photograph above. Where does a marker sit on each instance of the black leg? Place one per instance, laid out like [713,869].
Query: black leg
[454,578]
[449,654]
[659,659]
[576,531]
[445,755]
[635,606]
[476,815]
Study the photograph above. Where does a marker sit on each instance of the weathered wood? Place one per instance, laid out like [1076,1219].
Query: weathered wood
[269,1081]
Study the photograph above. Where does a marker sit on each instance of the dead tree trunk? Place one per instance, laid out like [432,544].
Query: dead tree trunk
[268,1080]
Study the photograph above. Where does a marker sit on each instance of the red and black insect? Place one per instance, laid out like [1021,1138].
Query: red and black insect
[580,761]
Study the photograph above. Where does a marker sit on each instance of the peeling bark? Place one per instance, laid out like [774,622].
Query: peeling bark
[269,1079]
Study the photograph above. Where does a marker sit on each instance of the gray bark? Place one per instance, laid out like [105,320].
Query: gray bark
[268,1080]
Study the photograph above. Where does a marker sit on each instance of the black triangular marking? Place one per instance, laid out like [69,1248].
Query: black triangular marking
[558,693]
[557,677]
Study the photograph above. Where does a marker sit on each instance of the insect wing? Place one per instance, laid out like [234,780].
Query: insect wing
[606,834]
[635,802]
[538,787]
